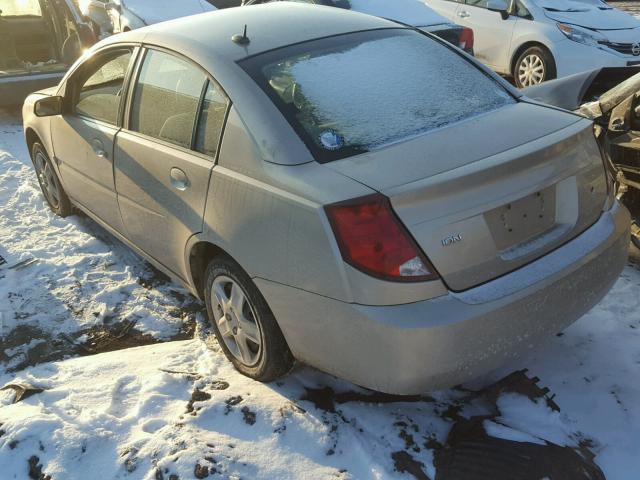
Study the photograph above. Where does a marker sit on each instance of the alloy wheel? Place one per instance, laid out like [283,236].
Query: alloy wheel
[531,70]
[236,320]
[47,180]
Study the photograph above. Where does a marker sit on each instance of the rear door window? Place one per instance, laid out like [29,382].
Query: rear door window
[211,120]
[99,87]
[166,98]
[359,92]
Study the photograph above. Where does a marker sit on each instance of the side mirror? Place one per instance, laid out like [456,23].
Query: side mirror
[499,6]
[48,107]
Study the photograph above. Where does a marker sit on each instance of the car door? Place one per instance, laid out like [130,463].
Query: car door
[165,154]
[446,8]
[492,33]
[83,137]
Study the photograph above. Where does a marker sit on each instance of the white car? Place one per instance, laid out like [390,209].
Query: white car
[537,40]
[131,14]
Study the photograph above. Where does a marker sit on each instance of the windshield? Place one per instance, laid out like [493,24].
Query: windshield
[20,8]
[359,92]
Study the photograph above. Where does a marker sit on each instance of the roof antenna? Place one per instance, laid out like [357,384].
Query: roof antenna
[241,39]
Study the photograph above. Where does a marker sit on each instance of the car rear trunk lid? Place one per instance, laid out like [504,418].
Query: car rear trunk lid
[480,209]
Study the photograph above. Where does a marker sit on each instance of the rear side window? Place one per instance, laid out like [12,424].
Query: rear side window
[211,120]
[477,3]
[359,92]
[166,98]
[99,89]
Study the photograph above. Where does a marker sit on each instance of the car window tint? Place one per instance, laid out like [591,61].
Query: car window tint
[20,8]
[100,87]
[214,109]
[166,98]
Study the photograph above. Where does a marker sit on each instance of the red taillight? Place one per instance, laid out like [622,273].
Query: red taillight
[372,239]
[466,39]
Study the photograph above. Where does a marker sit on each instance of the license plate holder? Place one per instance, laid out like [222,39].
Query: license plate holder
[523,219]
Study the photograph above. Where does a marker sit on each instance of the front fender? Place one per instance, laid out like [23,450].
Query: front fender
[41,126]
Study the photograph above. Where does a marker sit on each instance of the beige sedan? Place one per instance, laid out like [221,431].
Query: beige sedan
[339,189]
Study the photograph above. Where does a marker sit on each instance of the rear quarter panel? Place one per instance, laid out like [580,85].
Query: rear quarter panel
[270,217]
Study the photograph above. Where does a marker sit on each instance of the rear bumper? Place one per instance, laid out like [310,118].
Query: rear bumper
[413,348]
[14,89]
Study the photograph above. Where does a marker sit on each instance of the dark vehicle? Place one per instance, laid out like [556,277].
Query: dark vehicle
[413,13]
[39,40]
[611,98]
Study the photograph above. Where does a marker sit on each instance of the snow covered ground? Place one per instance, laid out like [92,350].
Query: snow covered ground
[67,283]
[178,410]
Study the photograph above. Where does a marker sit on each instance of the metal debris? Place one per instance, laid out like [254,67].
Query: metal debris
[471,454]
[23,264]
[22,390]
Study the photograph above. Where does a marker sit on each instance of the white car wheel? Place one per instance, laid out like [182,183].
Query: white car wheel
[531,70]
[534,66]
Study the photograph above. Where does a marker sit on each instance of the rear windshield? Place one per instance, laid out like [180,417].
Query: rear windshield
[359,92]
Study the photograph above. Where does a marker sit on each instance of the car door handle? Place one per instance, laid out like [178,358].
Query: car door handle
[98,148]
[464,14]
[179,179]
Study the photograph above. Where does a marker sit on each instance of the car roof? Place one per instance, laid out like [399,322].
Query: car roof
[272,26]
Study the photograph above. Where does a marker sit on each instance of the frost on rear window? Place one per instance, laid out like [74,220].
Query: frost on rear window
[364,95]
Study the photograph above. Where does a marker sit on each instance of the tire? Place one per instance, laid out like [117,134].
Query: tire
[534,66]
[50,185]
[243,324]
